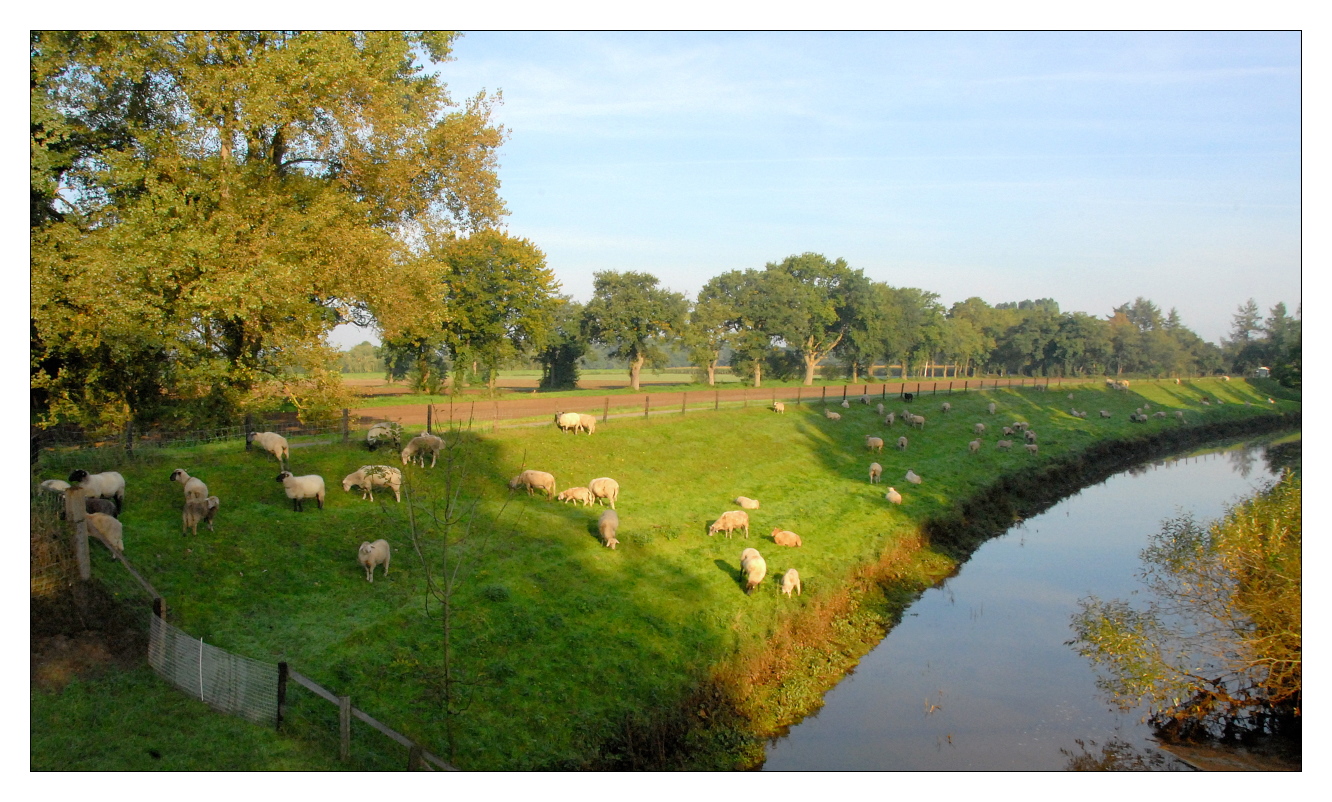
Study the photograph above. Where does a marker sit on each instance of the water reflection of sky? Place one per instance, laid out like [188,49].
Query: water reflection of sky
[977,675]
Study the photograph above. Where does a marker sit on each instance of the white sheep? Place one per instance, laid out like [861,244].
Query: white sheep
[974,446]
[536,480]
[946,407]
[912,477]
[878,409]
[876,471]
[1030,434]
[373,554]
[604,488]
[1105,413]
[918,421]
[730,521]
[107,484]
[752,569]
[194,486]
[567,421]
[791,581]
[778,406]
[300,488]
[576,494]
[108,530]
[846,404]
[387,432]
[1179,414]
[1004,445]
[873,443]
[902,443]
[830,415]
[57,486]
[587,423]
[979,428]
[991,407]
[893,496]
[197,511]
[890,418]
[272,442]
[746,503]
[418,445]
[368,477]
[864,399]
[785,537]
[1031,448]
[1070,396]
[606,526]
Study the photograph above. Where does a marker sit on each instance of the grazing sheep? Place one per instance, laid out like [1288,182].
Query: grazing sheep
[918,421]
[604,488]
[893,496]
[752,569]
[1004,445]
[846,404]
[978,428]
[57,486]
[778,406]
[606,526]
[1179,414]
[199,511]
[387,432]
[791,581]
[912,477]
[1030,434]
[830,415]
[1160,414]
[300,488]
[908,397]
[576,494]
[1008,430]
[902,443]
[567,421]
[107,484]
[1031,448]
[874,443]
[746,503]
[587,423]
[974,446]
[537,480]
[371,555]
[890,418]
[1138,411]
[368,477]
[876,471]
[729,521]
[864,399]
[1070,396]
[1020,426]
[784,537]
[272,442]
[991,407]
[878,409]
[946,407]
[108,530]
[194,486]
[1105,413]
[418,445]
[1146,405]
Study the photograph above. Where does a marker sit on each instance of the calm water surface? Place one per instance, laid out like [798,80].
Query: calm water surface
[977,676]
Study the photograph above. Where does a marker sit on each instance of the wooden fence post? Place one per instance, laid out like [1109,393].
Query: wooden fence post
[684,398]
[843,392]
[798,393]
[825,395]
[344,728]
[605,408]
[346,429]
[281,692]
[744,394]
[76,513]
[494,423]
[645,405]
[430,410]
[249,427]
[716,400]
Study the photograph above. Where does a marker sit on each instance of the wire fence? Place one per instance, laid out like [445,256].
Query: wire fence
[226,682]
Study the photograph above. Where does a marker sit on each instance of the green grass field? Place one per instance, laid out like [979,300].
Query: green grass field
[580,642]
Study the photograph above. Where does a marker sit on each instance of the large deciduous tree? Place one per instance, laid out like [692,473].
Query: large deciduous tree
[815,301]
[633,317]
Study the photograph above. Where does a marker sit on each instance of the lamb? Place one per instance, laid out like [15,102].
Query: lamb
[272,442]
[902,443]
[603,488]
[946,407]
[791,581]
[199,511]
[587,423]
[576,494]
[991,407]
[373,554]
[107,484]
[1105,413]
[1004,445]
[979,428]
[368,477]
[387,432]
[538,480]
[876,471]
[194,486]
[874,443]
[567,421]
[893,496]
[778,406]
[746,503]
[974,446]
[912,477]
[1031,448]
[108,530]
[730,521]
[606,526]
[752,569]
[418,445]
[830,415]
[784,537]
[845,404]
[300,488]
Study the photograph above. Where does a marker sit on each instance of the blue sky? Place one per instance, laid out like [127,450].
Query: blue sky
[1087,167]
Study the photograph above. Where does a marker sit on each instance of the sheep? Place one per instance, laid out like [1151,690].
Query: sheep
[194,486]
[846,404]
[387,432]
[830,415]
[878,409]
[752,569]
[415,448]
[197,511]
[991,407]
[1105,413]
[918,421]
[102,505]
[902,443]
[890,419]
[912,477]
[979,428]
[1070,396]
[876,471]
[1159,414]
[300,488]
[107,484]
[908,397]
[108,530]
[779,407]
[946,407]
[1031,448]
[1225,378]
[729,521]
[603,488]
[1030,434]
[567,421]
[746,503]
[1138,411]
[785,537]
[874,443]
[606,526]
[1206,403]
[1146,405]
[587,423]
[576,494]
[1020,426]
[1177,381]
[368,477]
[1179,414]
[272,442]
[1004,445]
[864,399]
[56,486]
[974,446]
[893,496]
[371,555]
[791,581]
[1008,430]
[537,480]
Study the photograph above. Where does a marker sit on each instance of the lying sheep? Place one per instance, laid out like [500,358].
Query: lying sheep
[418,445]
[746,503]
[368,477]
[1031,448]
[1004,445]
[567,421]
[57,486]
[876,471]
[194,486]
[991,407]
[785,537]
[902,443]
[974,446]
[978,428]
[791,581]
[587,423]
[893,496]
[272,442]
[874,443]
[197,511]
[107,484]
[606,526]
[371,555]
[778,406]
[108,530]
[300,488]
[730,521]
[1105,413]
[576,494]
[752,569]
[381,433]
[603,488]
[830,415]
[912,477]
[537,480]
[946,407]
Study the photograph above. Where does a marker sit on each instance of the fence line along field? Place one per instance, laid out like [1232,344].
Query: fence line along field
[572,649]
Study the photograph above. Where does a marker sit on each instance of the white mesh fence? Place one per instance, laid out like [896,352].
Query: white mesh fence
[227,682]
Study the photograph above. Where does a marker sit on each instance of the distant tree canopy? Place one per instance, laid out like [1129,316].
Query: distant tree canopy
[633,317]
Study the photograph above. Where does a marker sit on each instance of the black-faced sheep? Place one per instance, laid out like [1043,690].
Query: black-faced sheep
[371,555]
[785,537]
[606,526]
[382,433]
[730,521]
[194,486]
[418,445]
[368,477]
[107,484]
[576,494]
[605,488]
[746,503]
[752,569]
[874,443]
[272,442]
[197,511]
[108,530]
[300,488]
[876,471]
[534,480]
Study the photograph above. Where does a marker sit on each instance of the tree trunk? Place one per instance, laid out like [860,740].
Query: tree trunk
[712,373]
[758,373]
[635,367]
[809,369]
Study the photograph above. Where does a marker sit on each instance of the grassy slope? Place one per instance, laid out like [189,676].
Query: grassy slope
[589,639]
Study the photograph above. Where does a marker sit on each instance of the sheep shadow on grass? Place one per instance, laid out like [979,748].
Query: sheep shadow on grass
[732,571]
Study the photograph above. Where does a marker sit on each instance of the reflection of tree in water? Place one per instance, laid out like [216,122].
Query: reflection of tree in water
[1283,455]
[1118,755]
[1243,460]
